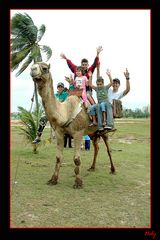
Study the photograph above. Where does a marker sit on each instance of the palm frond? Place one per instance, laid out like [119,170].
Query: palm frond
[25,65]
[23,26]
[36,53]
[17,57]
[47,50]
[18,18]
[30,129]
[30,121]
[41,32]
[18,45]
[27,134]
[37,114]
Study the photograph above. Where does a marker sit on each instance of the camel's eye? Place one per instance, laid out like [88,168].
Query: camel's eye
[45,69]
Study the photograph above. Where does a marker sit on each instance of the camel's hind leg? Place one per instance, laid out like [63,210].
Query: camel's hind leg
[77,150]
[105,139]
[96,149]
[59,157]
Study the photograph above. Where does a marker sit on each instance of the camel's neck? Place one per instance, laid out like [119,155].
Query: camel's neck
[46,92]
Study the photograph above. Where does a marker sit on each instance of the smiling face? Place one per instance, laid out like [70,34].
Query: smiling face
[60,88]
[100,82]
[115,86]
[79,71]
[84,64]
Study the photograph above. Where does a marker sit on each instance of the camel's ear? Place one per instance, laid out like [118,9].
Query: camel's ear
[49,66]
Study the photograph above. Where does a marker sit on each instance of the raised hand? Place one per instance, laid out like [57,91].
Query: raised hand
[108,72]
[99,49]
[67,79]
[62,55]
[71,78]
[126,74]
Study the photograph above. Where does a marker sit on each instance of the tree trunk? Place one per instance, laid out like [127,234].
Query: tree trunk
[36,98]
[37,59]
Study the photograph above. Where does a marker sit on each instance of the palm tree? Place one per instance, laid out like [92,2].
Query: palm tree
[25,48]
[30,123]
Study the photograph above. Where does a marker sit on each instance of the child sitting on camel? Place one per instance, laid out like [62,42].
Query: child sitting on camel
[80,83]
[102,97]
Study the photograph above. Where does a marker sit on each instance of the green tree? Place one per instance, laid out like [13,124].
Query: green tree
[25,48]
[30,123]
[146,110]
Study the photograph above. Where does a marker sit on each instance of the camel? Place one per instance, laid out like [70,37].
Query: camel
[69,117]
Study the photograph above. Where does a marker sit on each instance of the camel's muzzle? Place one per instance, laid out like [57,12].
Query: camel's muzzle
[36,79]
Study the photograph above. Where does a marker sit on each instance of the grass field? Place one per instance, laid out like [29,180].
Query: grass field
[120,200]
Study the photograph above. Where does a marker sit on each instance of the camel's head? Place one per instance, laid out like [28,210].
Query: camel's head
[40,72]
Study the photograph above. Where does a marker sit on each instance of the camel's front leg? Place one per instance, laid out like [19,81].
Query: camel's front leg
[96,149]
[77,150]
[105,139]
[59,157]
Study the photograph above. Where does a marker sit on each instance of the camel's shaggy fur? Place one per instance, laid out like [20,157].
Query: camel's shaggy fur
[63,119]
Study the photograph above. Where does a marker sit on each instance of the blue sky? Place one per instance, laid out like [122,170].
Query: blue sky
[123,34]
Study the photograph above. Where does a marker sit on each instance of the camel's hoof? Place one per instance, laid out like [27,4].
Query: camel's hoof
[52,182]
[91,169]
[112,172]
[78,184]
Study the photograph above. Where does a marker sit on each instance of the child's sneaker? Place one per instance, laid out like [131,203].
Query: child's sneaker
[92,124]
[106,127]
[36,141]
